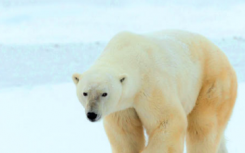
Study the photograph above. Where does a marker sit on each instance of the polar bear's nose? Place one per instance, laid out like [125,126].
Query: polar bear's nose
[91,116]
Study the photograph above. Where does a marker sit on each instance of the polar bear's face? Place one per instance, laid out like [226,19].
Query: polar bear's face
[98,93]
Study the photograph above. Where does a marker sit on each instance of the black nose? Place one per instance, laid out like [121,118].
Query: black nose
[91,116]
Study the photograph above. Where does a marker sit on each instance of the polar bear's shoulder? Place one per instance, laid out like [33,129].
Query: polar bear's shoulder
[126,36]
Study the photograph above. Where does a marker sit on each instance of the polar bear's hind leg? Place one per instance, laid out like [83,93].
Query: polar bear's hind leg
[208,119]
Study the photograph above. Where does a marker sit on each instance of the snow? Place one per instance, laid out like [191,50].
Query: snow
[42,43]
[77,21]
[47,119]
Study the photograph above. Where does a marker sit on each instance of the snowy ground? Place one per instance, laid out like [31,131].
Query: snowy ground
[42,43]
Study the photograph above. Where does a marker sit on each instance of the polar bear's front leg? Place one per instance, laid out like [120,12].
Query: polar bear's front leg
[165,122]
[125,131]
[167,138]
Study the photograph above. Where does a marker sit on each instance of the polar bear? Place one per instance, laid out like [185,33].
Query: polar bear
[174,84]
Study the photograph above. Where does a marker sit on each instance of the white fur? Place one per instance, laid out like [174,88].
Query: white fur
[166,74]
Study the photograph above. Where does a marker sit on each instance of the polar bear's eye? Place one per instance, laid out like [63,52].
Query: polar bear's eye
[104,94]
[85,93]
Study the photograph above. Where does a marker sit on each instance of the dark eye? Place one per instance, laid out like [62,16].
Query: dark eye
[85,93]
[104,94]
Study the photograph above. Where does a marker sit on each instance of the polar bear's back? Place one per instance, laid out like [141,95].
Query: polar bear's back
[170,50]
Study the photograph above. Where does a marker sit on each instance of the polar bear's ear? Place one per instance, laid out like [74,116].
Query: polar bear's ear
[123,78]
[76,77]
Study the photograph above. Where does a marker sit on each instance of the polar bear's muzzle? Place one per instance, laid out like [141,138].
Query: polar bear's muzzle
[92,116]
[92,112]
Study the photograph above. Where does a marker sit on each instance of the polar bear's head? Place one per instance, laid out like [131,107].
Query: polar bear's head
[99,93]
